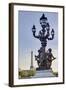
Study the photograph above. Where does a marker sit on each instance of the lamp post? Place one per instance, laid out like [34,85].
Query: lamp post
[44,35]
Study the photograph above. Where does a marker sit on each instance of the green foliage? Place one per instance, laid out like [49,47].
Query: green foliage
[55,73]
[27,73]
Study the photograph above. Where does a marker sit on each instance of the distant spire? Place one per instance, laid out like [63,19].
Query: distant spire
[31,60]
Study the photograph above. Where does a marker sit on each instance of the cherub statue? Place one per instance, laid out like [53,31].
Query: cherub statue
[50,58]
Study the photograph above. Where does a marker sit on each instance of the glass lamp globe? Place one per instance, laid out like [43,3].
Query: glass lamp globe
[33,28]
[52,32]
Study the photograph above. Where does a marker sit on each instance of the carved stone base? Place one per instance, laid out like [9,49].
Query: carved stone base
[44,65]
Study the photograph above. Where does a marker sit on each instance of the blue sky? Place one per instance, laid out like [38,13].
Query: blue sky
[27,42]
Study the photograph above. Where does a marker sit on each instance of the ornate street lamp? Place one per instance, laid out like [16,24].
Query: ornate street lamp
[43,36]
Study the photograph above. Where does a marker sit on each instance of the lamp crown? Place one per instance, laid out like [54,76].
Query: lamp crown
[43,17]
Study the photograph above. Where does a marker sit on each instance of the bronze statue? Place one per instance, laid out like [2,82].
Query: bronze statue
[43,58]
